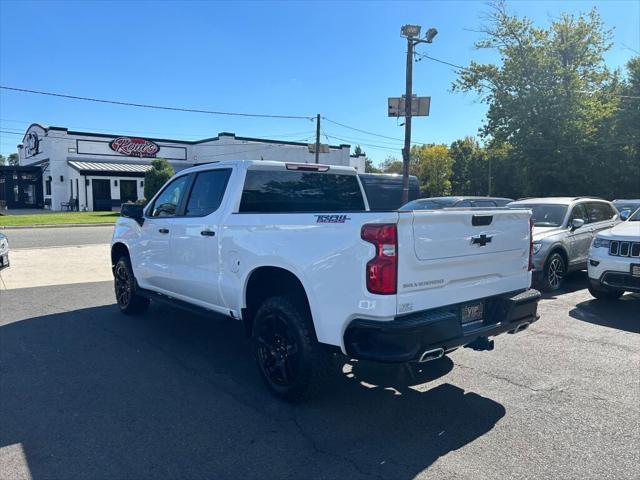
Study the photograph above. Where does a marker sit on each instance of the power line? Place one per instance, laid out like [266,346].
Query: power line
[460,67]
[145,132]
[365,144]
[422,55]
[373,134]
[156,107]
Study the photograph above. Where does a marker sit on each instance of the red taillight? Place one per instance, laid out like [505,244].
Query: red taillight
[530,243]
[382,270]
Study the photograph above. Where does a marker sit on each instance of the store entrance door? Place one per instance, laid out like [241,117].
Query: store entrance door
[101,195]
[21,187]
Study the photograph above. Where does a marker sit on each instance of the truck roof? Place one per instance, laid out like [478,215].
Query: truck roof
[272,165]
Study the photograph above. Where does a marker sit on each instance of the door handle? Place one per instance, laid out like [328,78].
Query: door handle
[163,230]
[208,233]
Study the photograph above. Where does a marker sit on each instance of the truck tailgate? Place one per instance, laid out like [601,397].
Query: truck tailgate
[453,256]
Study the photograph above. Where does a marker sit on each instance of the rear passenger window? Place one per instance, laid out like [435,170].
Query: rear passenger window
[281,191]
[207,192]
[599,212]
[464,203]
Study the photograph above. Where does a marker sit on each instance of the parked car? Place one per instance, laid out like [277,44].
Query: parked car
[614,260]
[292,251]
[563,228]
[384,190]
[4,251]
[436,203]
[626,207]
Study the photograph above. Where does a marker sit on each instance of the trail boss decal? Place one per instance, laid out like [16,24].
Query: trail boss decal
[331,218]
[134,147]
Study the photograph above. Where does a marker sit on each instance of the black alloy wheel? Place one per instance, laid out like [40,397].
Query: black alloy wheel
[554,272]
[291,362]
[129,302]
[278,352]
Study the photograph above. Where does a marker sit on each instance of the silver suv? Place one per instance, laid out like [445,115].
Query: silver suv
[563,228]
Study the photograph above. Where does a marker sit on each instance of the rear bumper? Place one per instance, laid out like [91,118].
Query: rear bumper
[405,338]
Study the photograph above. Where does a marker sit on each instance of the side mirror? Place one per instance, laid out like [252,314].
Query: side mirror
[624,214]
[576,223]
[134,211]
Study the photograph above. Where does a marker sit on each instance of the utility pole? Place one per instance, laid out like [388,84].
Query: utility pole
[406,151]
[412,34]
[317,138]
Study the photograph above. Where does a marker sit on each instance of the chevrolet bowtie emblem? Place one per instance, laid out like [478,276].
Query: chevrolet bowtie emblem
[481,240]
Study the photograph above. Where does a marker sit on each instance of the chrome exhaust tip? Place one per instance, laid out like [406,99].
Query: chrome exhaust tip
[430,355]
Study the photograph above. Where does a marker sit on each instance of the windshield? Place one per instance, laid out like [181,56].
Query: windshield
[427,204]
[635,217]
[546,215]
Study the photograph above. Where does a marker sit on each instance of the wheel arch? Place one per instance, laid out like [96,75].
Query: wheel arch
[118,250]
[559,249]
[268,281]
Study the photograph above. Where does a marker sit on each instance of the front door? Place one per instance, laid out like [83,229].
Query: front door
[151,253]
[195,238]
[580,238]
[128,191]
[101,195]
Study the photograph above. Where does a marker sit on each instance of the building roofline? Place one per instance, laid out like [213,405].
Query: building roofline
[185,142]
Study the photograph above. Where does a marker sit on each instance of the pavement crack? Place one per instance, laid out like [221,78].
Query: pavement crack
[510,381]
[314,445]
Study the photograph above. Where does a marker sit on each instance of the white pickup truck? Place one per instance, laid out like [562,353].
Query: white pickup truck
[292,251]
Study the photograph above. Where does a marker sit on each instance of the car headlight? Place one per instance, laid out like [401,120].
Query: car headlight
[600,242]
[536,248]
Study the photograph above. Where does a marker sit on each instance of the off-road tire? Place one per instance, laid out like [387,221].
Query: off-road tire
[283,340]
[602,292]
[555,269]
[125,286]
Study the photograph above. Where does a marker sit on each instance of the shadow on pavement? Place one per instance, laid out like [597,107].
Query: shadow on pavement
[623,314]
[91,393]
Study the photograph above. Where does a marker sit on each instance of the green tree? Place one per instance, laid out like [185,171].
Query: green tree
[433,165]
[13,159]
[2,160]
[391,165]
[157,176]
[549,97]
[470,168]
[369,167]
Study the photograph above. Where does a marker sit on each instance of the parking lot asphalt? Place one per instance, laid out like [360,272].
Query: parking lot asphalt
[57,237]
[86,392]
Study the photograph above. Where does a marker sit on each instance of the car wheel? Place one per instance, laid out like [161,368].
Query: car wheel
[291,362]
[599,291]
[129,302]
[554,272]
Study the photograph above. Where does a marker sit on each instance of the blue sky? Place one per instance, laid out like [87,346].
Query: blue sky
[339,59]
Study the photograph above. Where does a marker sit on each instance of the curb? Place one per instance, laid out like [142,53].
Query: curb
[64,225]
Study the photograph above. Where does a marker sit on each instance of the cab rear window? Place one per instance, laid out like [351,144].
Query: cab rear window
[283,191]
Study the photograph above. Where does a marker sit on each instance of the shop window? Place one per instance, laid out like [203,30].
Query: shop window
[47,186]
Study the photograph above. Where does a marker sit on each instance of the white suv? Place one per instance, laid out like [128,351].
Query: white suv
[614,260]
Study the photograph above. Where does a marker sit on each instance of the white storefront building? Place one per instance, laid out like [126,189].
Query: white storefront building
[96,171]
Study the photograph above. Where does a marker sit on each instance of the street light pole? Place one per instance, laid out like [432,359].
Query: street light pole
[412,34]
[406,151]
[318,139]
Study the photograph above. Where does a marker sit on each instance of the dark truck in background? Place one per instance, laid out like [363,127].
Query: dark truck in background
[384,190]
